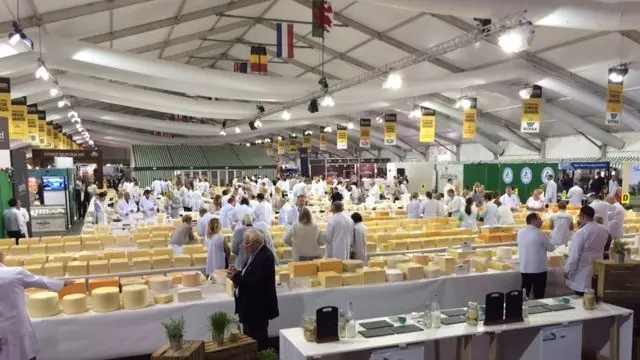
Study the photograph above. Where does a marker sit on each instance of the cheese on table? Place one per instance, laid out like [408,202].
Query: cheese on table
[326,265]
[199,259]
[160,283]
[63,258]
[191,279]
[37,249]
[76,287]
[106,299]
[163,298]
[54,269]
[114,254]
[399,245]
[189,295]
[73,246]
[415,244]
[479,264]
[92,246]
[77,268]
[13,261]
[119,239]
[176,278]
[35,269]
[161,262]
[499,265]
[459,254]
[352,265]
[373,275]
[132,254]
[119,265]
[19,250]
[504,253]
[484,253]
[193,249]
[330,279]
[411,271]
[90,256]
[35,259]
[372,247]
[97,267]
[303,268]
[135,297]
[134,280]
[555,261]
[287,252]
[74,304]
[140,263]
[313,282]
[159,243]
[163,252]
[103,282]
[379,262]
[432,271]
[284,277]
[422,259]
[143,244]
[394,275]
[447,264]
[351,278]
[55,248]
[43,304]
[393,261]
[182,261]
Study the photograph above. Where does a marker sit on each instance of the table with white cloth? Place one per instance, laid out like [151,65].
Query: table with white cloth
[137,332]
[560,335]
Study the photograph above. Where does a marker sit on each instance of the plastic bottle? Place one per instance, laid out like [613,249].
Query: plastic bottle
[351,323]
[525,304]
[342,324]
[426,316]
[435,313]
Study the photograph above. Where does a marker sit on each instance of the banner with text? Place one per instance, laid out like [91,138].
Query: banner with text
[32,125]
[615,103]
[293,144]
[324,140]
[532,111]
[42,128]
[390,129]
[365,133]
[342,137]
[282,146]
[307,142]
[427,124]
[5,114]
[19,119]
[268,147]
[470,119]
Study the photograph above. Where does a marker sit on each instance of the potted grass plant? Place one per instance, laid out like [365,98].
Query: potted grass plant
[268,354]
[174,329]
[218,323]
[620,249]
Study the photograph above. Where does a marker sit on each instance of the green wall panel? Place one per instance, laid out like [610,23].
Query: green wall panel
[6,193]
[496,177]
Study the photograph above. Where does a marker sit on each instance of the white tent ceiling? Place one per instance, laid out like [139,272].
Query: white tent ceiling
[140,64]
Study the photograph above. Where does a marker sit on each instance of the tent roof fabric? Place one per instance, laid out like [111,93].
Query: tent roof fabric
[200,157]
[188,156]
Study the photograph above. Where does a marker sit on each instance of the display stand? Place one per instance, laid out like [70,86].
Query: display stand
[191,350]
[244,349]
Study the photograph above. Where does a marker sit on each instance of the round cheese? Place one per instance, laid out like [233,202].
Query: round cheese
[43,304]
[105,299]
[74,303]
[131,281]
[190,279]
[135,297]
[160,283]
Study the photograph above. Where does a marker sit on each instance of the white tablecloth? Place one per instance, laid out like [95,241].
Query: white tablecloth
[136,332]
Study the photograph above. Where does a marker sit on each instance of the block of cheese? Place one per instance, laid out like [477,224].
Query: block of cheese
[330,279]
[284,277]
[411,271]
[303,268]
[161,262]
[459,254]
[504,253]
[176,277]
[287,252]
[35,259]
[143,244]
[97,267]
[19,250]
[13,260]
[484,253]
[133,280]
[399,245]
[394,275]
[43,304]
[77,268]
[191,279]
[122,239]
[376,263]
[132,254]
[55,248]
[92,246]
[189,295]
[63,258]
[229,288]
[38,249]
[373,275]
[555,261]
[499,265]
[352,265]
[182,261]
[28,242]
[432,271]
[479,264]
[140,263]
[88,256]
[54,269]
[351,278]
[193,249]
[199,259]
[119,265]
[135,297]
[163,252]
[415,244]
[163,298]
[103,282]
[160,283]
[74,304]
[326,265]
[422,259]
[73,246]
[158,242]
[106,299]
[372,247]
[447,264]
[7,242]
[313,282]
[76,287]
[393,261]
[36,269]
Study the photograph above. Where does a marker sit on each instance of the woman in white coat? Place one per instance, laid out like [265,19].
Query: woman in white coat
[468,216]
[490,214]
[16,332]
[100,208]
[413,207]
[339,234]
[217,250]
[359,246]
[148,205]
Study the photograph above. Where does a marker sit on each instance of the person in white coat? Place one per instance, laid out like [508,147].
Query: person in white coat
[148,205]
[374,194]
[601,209]
[490,214]
[100,208]
[505,215]
[613,185]
[468,217]
[587,245]
[196,201]
[562,225]
[533,246]
[448,186]
[413,207]
[226,212]
[338,236]
[456,203]
[359,247]
[430,208]
[575,194]
[510,199]
[552,191]
[24,219]
[217,250]
[17,338]
[240,211]
[616,218]
[263,211]
[126,207]
[157,186]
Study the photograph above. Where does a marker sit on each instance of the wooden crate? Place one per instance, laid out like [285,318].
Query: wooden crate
[244,349]
[191,350]
[617,281]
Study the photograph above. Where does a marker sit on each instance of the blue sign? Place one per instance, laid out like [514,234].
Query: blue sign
[587,165]
[526,175]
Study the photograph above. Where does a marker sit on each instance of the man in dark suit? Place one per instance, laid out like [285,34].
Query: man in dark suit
[256,300]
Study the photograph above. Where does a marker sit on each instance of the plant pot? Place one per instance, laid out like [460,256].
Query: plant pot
[310,334]
[620,257]
[176,344]
[218,339]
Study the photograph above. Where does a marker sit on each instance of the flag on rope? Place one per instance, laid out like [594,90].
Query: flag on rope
[259,60]
[240,67]
[284,40]
[322,17]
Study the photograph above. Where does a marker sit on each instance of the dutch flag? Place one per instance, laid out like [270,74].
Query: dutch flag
[284,40]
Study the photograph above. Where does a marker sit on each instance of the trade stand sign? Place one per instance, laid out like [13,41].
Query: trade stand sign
[586,165]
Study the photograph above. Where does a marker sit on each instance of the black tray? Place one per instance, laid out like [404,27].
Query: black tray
[385,331]
[454,312]
[403,329]
[375,324]
[535,303]
[558,307]
[453,320]
[538,310]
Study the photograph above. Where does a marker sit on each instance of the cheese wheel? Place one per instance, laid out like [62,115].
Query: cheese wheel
[160,283]
[74,304]
[190,279]
[135,297]
[43,304]
[189,295]
[106,299]
[131,281]
[394,275]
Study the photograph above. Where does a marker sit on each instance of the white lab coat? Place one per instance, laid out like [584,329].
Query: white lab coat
[203,187]
[513,202]
[602,210]
[456,205]
[99,212]
[24,219]
[148,207]
[431,209]
[535,204]
[616,221]
[505,215]
[182,194]
[587,245]
[239,212]
[157,187]
[284,213]
[126,210]
[413,209]
[339,236]
[613,186]
[135,193]
[196,201]
[299,189]
[468,221]
[491,215]
[263,212]
[187,200]
[374,195]
[360,242]
[561,228]
[533,246]
[225,215]
[448,187]
[18,337]
[552,193]
[215,253]
[575,195]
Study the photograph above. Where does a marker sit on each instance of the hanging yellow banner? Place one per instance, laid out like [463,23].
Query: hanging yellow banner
[269,148]
[293,145]
[32,125]
[50,136]
[324,141]
[282,146]
[427,125]
[615,103]
[19,127]
[307,141]
[390,129]
[365,133]
[531,115]
[42,128]
[5,113]
[56,138]
[342,137]
[470,119]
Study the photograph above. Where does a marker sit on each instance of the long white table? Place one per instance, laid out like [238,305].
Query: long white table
[136,332]
[523,340]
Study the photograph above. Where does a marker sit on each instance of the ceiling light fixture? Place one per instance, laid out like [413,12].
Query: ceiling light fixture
[379,119]
[267,141]
[525,92]
[76,119]
[54,91]
[62,102]
[328,129]
[286,115]
[350,125]
[258,141]
[415,113]
[393,82]
[313,106]
[238,130]
[617,73]
[463,103]
[18,34]
[223,133]
[280,138]
[42,72]
[72,114]
[327,101]
[248,144]
[308,132]
[518,39]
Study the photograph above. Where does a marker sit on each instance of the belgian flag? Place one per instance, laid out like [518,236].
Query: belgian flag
[259,60]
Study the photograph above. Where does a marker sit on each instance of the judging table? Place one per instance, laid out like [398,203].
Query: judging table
[573,330]
[136,332]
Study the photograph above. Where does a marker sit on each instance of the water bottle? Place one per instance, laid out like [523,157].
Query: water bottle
[525,304]
[351,322]
[342,324]
[426,316]
[435,313]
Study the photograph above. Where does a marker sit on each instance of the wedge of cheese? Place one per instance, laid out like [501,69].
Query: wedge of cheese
[76,287]
[447,264]
[479,264]
[499,266]
[459,254]
[330,279]
[351,278]
[163,298]
[103,282]
[372,275]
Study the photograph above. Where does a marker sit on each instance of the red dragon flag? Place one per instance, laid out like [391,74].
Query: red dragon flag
[322,17]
